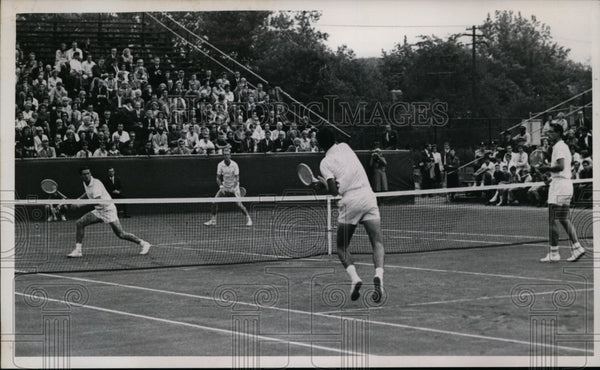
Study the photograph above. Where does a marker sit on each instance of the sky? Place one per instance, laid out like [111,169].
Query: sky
[367,28]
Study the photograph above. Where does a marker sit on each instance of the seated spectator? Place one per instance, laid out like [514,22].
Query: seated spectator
[561,120]
[70,54]
[83,152]
[314,147]
[586,172]
[520,159]
[46,151]
[60,59]
[160,141]
[389,138]
[248,145]
[584,138]
[130,148]
[221,143]
[38,137]
[147,149]
[280,144]
[57,144]
[277,130]
[519,195]
[205,145]
[20,122]
[69,144]
[296,146]
[101,151]
[27,143]
[537,194]
[305,141]
[575,170]
[181,148]
[120,136]
[484,174]
[114,150]
[523,138]
[266,145]
[480,153]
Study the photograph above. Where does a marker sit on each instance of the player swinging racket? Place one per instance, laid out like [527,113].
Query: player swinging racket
[358,204]
[103,212]
[228,179]
[559,197]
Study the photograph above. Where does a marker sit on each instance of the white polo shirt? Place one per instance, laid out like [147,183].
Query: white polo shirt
[342,164]
[561,150]
[96,190]
[229,173]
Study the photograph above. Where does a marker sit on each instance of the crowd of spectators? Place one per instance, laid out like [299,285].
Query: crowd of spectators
[84,105]
[507,161]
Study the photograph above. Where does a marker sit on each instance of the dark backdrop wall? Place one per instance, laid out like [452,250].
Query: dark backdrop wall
[192,176]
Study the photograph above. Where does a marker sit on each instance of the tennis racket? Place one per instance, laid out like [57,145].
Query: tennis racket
[50,187]
[306,176]
[537,159]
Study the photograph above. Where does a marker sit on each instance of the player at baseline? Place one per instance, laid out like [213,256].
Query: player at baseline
[228,179]
[103,212]
[346,176]
[559,197]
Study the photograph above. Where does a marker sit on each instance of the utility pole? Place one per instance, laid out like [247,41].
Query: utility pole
[473,44]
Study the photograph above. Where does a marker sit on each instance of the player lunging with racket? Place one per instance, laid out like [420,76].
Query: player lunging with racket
[228,179]
[346,176]
[103,212]
[559,196]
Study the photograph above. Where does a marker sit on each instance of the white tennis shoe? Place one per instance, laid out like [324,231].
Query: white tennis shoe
[249,223]
[211,222]
[145,247]
[576,254]
[551,257]
[76,253]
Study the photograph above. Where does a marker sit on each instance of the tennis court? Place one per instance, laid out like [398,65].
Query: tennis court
[461,279]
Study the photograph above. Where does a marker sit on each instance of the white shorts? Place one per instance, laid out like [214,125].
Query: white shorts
[358,206]
[107,214]
[228,192]
[560,191]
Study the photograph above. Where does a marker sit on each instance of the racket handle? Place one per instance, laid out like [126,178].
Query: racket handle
[61,194]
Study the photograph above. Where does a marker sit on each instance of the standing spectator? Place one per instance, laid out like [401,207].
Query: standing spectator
[155,74]
[378,164]
[438,167]
[115,188]
[60,57]
[76,71]
[451,167]
[88,70]
[389,138]
[426,167]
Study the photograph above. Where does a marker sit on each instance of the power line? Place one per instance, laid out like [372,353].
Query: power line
[390,25]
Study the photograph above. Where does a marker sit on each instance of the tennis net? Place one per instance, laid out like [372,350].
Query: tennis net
[283,227]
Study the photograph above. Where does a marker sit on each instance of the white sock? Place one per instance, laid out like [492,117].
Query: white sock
[554,249]
[576,246]
[78,246]
[379,272]
[351,270]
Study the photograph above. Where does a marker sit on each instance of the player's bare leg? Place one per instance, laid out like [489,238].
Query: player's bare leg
[121,234]
[344,235]
[562,217]
[85,220]
[245,212]
[214,208]
[373,228]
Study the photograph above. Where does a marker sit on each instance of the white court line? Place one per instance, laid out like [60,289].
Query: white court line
[518,277]
[289,310]
[196,326]
[487,298]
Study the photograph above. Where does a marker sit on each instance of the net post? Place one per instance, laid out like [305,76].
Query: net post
[329,230]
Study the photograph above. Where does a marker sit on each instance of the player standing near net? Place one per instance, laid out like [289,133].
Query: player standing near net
[103,212]
[559,197]
[228,179]
[346,176]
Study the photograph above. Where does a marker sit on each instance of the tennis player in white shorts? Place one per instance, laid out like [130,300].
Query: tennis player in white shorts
[228,179]
[560,194]
[346,176]
[103,212]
